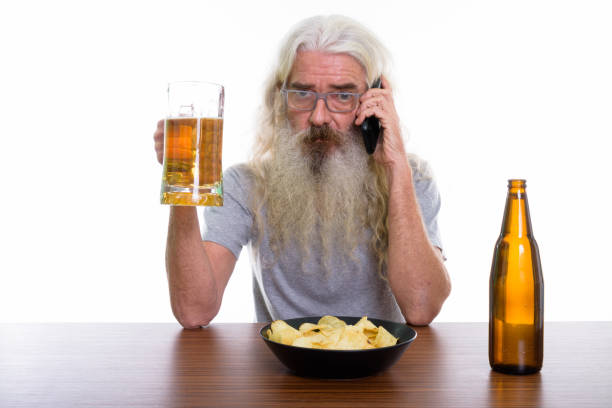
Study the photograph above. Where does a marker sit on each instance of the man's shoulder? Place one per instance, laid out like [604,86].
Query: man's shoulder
[240,173]
[421,169]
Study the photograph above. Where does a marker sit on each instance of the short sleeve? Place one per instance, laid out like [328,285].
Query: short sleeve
[429,201]
[231,224]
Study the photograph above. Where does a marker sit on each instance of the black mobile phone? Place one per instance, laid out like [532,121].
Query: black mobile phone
[370,128]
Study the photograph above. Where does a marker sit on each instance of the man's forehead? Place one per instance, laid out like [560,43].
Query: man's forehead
[317,67]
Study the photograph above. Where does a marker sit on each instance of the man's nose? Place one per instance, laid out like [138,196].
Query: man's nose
[320,114]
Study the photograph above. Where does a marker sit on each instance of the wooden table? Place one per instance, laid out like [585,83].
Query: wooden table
[228,365]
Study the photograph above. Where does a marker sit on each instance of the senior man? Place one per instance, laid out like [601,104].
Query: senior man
[330,229]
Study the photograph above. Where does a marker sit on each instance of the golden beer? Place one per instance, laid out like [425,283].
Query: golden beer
[192,162]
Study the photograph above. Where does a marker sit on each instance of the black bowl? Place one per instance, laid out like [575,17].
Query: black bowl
[341,363]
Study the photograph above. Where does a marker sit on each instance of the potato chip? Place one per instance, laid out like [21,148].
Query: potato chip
[352,338]
[384,338]
[369,328]
[313,341]
[281,332]
[331,321]
[308,327]
[366,324]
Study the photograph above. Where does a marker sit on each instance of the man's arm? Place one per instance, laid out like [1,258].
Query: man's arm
[198,271]
[415,269]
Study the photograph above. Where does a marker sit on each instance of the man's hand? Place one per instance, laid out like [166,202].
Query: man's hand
[158,137]
[378,102]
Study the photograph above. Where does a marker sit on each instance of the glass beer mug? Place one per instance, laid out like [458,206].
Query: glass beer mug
[192,145]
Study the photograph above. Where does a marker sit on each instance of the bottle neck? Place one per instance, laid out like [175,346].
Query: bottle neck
[517,221]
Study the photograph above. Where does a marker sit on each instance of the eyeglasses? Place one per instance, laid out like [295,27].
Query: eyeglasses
[307,100]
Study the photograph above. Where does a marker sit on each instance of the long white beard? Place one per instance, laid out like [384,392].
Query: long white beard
[314,195]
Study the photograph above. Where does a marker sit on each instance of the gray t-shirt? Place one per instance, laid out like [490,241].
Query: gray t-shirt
[287,288]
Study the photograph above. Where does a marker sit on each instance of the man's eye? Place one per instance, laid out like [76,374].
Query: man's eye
[344,97]
[302,94]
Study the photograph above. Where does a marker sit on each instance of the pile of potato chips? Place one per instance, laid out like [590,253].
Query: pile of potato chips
[332,333]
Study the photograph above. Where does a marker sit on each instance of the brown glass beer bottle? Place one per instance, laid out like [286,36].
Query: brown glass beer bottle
[516,291]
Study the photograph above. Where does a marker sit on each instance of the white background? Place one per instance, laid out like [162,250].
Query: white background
[487,90]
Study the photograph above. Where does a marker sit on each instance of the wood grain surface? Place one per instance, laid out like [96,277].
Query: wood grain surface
[228,365]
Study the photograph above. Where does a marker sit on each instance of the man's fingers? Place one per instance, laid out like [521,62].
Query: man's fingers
[371,102]
[158,138]
[368,105]
[376,93]
[371,111]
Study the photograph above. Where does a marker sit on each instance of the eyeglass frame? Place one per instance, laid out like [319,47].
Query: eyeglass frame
[319,95]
